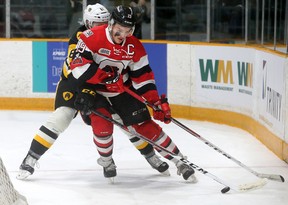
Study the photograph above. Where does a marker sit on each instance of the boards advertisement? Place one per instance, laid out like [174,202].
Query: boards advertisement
[271,87]
[225,77]
[48,58]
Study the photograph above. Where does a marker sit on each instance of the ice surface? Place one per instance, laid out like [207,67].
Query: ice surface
[70,175]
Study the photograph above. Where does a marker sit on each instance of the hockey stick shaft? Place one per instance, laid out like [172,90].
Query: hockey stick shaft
[274,177]
[194,166]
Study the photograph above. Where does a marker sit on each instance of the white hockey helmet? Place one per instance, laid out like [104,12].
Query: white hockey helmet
[95,13]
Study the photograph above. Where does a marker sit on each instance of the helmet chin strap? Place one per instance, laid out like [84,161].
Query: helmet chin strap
[110,31]
[133,29]
[110,28]
[110,24]
[89,24]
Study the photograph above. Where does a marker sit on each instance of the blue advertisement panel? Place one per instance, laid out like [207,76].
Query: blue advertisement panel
[39,73]
[56,54]
[48,58]
[157,55]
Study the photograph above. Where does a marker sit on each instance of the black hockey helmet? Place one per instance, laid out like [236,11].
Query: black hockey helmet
[124,16]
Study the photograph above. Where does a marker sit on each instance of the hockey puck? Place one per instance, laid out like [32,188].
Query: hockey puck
[226,189]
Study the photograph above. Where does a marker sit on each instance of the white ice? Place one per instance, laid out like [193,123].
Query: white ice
[70,175]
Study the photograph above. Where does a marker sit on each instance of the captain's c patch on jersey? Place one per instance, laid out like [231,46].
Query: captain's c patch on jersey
[67,96]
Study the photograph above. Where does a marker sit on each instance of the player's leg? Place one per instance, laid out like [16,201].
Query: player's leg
[103,139]
[45,137]
[48,133]
[155,133]
[137,117]
[146,150]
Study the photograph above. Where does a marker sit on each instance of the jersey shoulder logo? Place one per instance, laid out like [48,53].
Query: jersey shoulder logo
[77,60]
[105,51]
[67,96]
[88,33]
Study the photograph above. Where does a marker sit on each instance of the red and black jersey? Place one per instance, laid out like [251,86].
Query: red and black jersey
[96,49]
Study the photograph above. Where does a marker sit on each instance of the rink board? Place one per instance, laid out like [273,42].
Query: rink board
[236,85]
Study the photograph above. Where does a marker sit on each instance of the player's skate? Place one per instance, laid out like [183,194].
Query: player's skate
[27,167]
[186,171]
[158,164]
[109,168]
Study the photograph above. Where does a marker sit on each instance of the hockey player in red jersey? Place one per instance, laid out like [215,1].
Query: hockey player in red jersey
[106,59]
[93,16]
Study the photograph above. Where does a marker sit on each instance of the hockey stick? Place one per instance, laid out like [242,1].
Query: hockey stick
[274,177]
[241,188]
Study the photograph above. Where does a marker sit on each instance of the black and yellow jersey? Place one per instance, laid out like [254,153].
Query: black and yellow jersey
[71,50]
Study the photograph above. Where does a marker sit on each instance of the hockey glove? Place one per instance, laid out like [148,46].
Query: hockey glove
[85,100]
[163,111]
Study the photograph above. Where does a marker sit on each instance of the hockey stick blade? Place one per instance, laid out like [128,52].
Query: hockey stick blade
[273,177]
[252,186]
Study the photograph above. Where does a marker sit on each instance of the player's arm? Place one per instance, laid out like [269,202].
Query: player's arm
[142,77]
[83,66]
[143,81]
[85,69]
[71,52]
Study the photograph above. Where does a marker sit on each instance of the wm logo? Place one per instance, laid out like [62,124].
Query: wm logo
[218,72]
[245,74]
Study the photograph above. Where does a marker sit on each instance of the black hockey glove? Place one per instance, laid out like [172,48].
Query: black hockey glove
[111,74]
[85,100]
